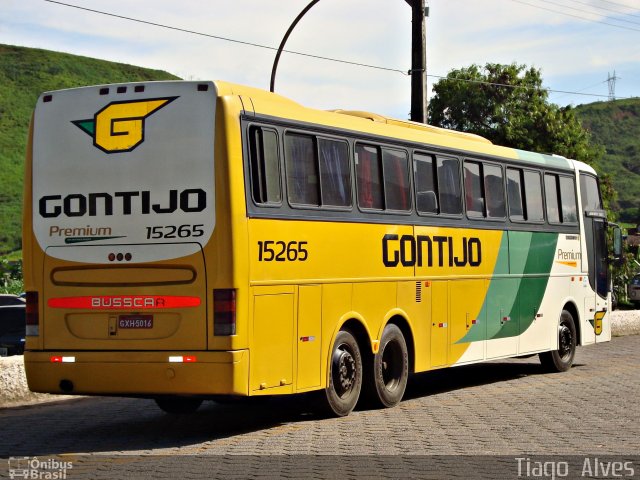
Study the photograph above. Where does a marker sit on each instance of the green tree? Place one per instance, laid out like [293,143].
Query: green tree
[508,105]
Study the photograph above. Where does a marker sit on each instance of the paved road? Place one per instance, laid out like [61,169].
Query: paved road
[505,408]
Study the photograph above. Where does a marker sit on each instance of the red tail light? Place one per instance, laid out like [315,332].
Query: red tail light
[33,321]
[224,312]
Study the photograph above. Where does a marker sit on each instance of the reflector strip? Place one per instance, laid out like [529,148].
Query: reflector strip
[183,359]
[60,359]
[124,302]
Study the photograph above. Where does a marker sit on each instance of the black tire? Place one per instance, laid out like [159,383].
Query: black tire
[345,375]
[390,368]
[561,360]
[178,404]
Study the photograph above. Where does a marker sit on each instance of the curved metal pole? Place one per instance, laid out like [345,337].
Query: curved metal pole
[284,40]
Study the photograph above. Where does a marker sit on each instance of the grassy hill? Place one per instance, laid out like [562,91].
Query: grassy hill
[616,125]
[24,74]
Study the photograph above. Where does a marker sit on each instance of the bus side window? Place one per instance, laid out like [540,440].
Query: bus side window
[369,177]
[449,186]
[335,174]
[494,191]
[533,196]
[474,199]
[302,169]
[515,194]
[426,192]
[568,199]
[551,196]
[395,166]
[265,166]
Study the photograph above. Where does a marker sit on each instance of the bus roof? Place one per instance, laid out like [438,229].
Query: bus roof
[268,103]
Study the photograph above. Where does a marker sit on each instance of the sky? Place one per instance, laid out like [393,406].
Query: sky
[577,44]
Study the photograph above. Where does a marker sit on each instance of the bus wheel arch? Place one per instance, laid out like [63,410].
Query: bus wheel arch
[571,307]
[407,332]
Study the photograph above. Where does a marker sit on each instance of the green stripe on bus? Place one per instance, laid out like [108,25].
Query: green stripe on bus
[510,304]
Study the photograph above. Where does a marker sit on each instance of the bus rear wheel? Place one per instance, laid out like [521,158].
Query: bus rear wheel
[560,360]
[391,367]
[345,375]
[178,404]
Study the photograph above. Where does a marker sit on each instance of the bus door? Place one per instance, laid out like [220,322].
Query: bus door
[595,263]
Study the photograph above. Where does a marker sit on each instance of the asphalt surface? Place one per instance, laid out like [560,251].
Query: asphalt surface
[504,408]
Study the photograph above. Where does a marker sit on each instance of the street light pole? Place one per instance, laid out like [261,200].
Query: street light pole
[418,70]
[284,40]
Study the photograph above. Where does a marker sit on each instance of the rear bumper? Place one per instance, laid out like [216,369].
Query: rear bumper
[139,373]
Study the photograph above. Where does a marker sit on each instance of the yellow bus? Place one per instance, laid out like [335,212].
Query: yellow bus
[189,240]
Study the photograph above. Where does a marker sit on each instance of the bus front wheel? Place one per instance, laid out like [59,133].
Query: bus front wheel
[391,367]
[345,375]
[178,404]
[560,360]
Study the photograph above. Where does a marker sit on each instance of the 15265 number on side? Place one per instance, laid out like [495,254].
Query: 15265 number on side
[279,251]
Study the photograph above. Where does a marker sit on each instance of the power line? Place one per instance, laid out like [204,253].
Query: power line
[506,85]
[579,92]
[589,13]
[618,4]
[605,8]
[227,39]
[572,15]
[348,62]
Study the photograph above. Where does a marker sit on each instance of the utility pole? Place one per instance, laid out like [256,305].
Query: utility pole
[418,71]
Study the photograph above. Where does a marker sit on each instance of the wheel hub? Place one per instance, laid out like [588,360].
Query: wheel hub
[565,341]
[344,369]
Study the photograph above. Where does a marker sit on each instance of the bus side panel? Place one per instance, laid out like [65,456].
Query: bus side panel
[336,303]
[415,299]
[308,339]
[272,346]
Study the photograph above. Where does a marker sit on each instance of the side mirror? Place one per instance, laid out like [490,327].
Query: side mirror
[617,243]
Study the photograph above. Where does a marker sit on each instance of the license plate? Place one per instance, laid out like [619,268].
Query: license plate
[135,321]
